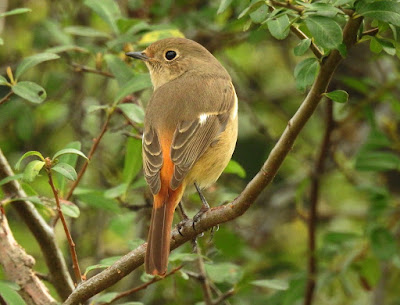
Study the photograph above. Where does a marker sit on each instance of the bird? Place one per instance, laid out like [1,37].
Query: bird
[189,135]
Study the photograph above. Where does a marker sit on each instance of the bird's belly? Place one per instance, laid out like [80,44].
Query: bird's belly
[212,163]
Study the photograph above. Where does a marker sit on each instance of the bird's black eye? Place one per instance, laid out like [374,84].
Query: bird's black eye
[170,55]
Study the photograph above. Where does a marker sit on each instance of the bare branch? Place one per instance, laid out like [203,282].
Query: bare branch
[43,233]
[314,198]
[232,210]
[18,266]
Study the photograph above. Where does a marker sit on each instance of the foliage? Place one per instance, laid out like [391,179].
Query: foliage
[68,90]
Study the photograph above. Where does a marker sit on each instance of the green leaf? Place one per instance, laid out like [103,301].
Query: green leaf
[85,31]
[106,297]
[30,91]
[273,284]
[137,83]
[135,243]
[279,27]
[339,237]
[326,32]
[32,170]
[28,154]
[3,81]
[234,167]
[69,151]
[224,273]
[16,11]
[116,191]
[10,178]
[70,210]
[338,96]
[387,46]
[183,257]
[33,199]
[119,68]
[133,160]
[223,6]
[32,61]
[260,14]
[305,72]
[302,47]
[383,243]
[251,8]
[377,161]
[375,46]
[8,291]
[108,10]
[66,48]
[387,11]
[65,170]
[321,9]
[70,159]
[93,108]
[95,198]
[133,112]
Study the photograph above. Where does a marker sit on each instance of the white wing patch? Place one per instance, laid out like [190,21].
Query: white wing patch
[235,105]
[203,118]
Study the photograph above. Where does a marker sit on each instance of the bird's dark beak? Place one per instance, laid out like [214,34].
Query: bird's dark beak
[138,55]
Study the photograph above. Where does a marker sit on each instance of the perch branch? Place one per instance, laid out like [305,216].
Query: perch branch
[232,210]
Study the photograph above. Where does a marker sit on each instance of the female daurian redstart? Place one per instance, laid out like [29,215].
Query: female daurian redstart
[190,132]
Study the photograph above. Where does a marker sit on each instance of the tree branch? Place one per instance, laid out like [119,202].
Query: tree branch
[42,232]
[314,198]
[18,266]
[230,211]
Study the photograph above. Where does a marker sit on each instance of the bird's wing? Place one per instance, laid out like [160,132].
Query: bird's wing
[193,137]
[152,159]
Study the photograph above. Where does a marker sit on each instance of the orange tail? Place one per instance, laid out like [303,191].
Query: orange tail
[158,242]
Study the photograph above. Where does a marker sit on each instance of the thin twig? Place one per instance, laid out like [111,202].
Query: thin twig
[203,278]
[143,286]
[242,203]
[313,47]
[288,5]
[77,271]
[314,199]
[82,68]
[224,296]
[6,97]
[371,32]
[96,142]
[42,232]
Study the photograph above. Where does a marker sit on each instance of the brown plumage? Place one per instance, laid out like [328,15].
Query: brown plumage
[189,134]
